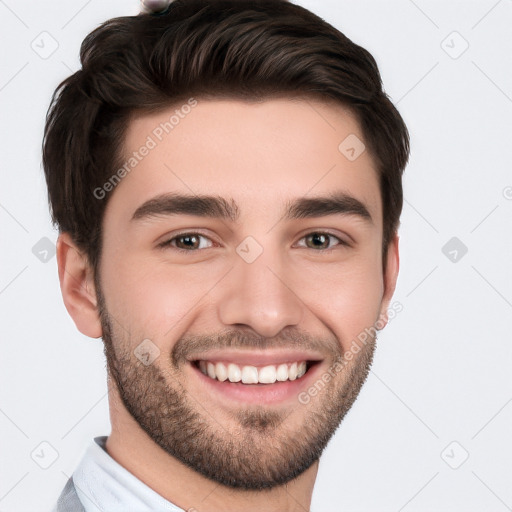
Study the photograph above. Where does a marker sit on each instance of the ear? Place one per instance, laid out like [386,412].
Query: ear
[77,287]
[390,276]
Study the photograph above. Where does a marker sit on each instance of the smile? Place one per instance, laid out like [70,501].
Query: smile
[249,374]
[234,377]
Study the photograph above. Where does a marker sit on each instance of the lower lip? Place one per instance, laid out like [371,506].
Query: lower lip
[276,393]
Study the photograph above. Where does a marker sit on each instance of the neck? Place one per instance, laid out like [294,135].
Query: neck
[133,449]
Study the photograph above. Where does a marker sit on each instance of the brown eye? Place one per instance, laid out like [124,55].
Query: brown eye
[321,241]
[186,242]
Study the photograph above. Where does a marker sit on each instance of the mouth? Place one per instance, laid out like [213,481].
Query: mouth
[255,378]
[249,374]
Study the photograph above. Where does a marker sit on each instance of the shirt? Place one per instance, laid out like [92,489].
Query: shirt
[103,485]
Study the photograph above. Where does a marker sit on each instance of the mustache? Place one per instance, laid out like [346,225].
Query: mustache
[190,345]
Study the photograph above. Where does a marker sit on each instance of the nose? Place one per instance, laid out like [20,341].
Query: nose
[260,295]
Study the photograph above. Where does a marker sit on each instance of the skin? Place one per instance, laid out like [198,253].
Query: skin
[148,6]
[261,155]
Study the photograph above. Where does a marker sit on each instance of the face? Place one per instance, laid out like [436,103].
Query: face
[241,263]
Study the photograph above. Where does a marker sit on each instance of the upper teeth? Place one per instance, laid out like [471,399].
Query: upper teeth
[251,374]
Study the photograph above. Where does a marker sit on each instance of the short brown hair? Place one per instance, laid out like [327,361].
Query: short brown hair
[239,49]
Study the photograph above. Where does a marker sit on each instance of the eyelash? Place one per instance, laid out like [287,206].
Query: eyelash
[167,243]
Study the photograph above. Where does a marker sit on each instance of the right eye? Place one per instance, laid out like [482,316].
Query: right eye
[190,240]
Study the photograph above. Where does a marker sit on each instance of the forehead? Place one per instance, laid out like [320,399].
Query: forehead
[259,154]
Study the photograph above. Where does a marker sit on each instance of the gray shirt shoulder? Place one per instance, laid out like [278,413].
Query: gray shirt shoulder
[68,500]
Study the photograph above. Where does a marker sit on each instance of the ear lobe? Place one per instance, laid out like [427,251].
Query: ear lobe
[77,287]
[390,277]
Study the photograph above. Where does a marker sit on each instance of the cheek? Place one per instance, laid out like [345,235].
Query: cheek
[152,300]
[347,300]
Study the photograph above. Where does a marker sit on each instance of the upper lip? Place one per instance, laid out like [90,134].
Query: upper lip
[256,357]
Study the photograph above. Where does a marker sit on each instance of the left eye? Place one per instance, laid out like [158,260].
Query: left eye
[192,241]
[319,240]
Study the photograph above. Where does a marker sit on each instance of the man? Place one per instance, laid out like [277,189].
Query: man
[226,179]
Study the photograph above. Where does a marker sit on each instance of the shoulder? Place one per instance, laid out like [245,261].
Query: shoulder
[68,500]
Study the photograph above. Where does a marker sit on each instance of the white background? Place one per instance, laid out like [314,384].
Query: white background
[442,368]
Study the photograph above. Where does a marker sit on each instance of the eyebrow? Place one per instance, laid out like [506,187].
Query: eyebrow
[218,207]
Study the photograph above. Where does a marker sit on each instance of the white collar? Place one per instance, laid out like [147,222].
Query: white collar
[103,485]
